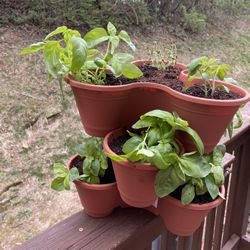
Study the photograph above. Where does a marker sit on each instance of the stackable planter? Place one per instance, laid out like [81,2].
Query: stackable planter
[184,220]
[105,108]
[135,181]
[98,200]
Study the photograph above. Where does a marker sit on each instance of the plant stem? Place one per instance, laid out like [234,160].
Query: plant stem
[107,51]
[60,79]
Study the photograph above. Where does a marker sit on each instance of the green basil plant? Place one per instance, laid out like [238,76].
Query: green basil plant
[155,143]
[95,163]
[67,52]
[209,69]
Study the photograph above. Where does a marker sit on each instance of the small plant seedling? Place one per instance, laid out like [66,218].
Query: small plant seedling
[209,70]
[94,166]
[162,60]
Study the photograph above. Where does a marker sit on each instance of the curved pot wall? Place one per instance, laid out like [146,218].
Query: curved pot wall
[135,181]
[184,220]
[98,200]
[105,108]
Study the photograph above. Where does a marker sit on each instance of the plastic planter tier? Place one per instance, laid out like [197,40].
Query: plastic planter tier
[98,200]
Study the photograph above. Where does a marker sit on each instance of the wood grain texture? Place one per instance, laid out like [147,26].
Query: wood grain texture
[117,231]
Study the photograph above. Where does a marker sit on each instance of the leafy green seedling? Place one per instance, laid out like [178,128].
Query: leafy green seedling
[208,69]
[94,166]
[162,60]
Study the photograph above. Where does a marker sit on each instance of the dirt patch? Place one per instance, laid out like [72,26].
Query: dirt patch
[169,77]
[36,130]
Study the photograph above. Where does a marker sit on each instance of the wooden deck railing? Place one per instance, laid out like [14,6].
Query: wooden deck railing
[135,229]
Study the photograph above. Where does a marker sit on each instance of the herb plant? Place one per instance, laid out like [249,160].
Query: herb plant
[209,70]
[66,52]
[197,174]
[155,144]
[94,166]
[162,60]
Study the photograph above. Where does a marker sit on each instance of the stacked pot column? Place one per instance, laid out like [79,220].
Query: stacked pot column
[106,108]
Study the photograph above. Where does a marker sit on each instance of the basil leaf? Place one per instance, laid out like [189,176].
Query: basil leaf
[187,194]
[114,43]
[145,122]
[66,183]
[52,53]
[125,37]
[131,144]
[194,135]
[95,167]
[57,184]
[111,29]
[131,71]
[154,135]
[57,31]
[73,174]
[195,166]
[218,174]
[157,159]
[145,152]
[93,179]
[35,47]
[79,53]
[60,170]
[211,186]
[218,154]
[95,37]
[167,181]
[116,157]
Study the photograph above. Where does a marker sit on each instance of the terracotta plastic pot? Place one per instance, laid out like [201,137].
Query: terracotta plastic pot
[98,200]
[209,117]
[184,220]
[135,181]
[105,108]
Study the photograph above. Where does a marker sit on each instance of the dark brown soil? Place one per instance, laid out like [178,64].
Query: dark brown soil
[219,94]
[200,199]
[170,78]
[116,145]
[109,176]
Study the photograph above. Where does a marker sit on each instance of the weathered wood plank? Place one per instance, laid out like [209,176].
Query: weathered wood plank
[209,229]
[232,243]
[121,230]
[239,200]
[244,243]
[197,238]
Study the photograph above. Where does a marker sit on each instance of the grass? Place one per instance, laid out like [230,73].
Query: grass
[36,130]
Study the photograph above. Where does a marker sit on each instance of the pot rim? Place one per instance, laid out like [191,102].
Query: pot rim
[103,88]
[194,206]
[141,166]
[137,165]
[87,185]
[245,95]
